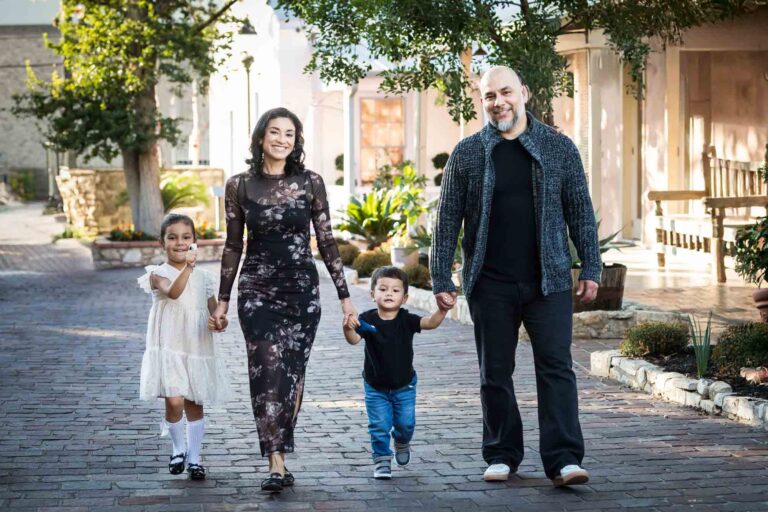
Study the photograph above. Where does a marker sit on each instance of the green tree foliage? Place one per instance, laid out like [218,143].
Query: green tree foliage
[430,42]
[114,54]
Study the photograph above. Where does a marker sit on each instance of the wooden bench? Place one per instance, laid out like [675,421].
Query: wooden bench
[731,190]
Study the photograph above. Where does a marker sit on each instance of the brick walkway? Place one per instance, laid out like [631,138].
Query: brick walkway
[75,436]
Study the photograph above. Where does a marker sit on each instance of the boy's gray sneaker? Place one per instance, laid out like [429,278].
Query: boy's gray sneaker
[402,453]
[382,470]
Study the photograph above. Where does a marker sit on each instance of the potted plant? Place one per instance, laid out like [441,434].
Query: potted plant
[751,257]
[438,162]
[751,254]
[338,163]
[404,251]
[610,294]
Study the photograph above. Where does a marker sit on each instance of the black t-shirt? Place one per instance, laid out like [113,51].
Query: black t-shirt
[512,253]
[389,350]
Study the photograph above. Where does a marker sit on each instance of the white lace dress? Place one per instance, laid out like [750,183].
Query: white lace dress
[181,357]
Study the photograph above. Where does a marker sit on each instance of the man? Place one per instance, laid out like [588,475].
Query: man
[519,188]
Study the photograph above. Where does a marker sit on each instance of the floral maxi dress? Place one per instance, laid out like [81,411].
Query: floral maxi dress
[278,300]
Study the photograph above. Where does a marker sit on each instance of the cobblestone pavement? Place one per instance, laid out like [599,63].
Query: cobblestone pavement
[76,437]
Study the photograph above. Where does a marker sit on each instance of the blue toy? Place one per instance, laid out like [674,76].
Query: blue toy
[365,327]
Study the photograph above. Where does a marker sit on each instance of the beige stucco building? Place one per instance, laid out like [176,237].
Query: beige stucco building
[711,90]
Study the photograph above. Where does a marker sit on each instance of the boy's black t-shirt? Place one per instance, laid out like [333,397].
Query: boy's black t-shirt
[389,350]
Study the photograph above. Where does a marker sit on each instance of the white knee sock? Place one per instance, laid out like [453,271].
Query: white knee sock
[177,436]
[195,432]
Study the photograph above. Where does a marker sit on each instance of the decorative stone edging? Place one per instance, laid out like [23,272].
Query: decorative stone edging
[107,254]
[712,397]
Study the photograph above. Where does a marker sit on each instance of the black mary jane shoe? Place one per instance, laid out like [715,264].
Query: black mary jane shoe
[196,472]
[176,465]
[288,479]
[273,483]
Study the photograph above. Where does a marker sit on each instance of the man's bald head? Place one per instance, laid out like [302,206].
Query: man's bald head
[504,97]
[500,73]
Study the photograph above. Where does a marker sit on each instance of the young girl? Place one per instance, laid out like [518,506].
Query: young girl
[180,362]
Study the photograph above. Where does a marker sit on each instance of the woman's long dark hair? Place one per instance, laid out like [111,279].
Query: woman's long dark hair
[295,162]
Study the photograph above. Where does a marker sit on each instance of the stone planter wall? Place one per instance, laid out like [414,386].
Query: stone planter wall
[712,397]
[108,254]
[90,197]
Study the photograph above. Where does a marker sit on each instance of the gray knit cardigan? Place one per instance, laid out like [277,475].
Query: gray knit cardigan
[561,200]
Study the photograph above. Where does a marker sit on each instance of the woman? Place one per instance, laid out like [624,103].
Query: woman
[278,298]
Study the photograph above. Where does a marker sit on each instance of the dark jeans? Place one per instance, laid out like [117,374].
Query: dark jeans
[497,310]
[390,413]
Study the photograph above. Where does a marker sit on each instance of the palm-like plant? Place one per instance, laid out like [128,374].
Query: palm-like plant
[182,189]
[375,218]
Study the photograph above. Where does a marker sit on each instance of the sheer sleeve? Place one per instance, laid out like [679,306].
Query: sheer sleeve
[321,219]
[233,247]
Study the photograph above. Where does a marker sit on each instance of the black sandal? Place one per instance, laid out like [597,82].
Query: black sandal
[196,472]
[273,483]
[177,468]
[288,479]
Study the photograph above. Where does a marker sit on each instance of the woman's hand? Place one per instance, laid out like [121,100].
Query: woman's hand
[219,315]
[348,310]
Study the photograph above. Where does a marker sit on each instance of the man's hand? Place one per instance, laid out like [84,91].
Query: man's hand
[445,300]
[587,291]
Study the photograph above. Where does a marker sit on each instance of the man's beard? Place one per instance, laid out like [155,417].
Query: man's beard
[505,126]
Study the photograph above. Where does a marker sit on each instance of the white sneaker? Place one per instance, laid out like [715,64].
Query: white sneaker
[382,470]
[571,475]
[496,473]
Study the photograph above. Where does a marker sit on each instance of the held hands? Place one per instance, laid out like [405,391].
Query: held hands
[445,300]
[350,322]
[349,312]
[217,326]
[218,320]
[587,291]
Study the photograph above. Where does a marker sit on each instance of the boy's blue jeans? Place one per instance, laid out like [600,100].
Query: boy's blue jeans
[390,413]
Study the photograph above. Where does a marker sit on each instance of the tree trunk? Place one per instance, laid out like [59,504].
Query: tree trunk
[131,170]
[151,204]
[142,177]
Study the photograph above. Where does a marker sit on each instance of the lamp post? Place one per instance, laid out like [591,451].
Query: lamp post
[247,29]
[247,62]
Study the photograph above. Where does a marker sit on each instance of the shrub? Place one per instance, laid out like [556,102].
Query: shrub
[22,184]
[127,234]
[439,160]
[368,261]
[418,276]
[654,339]
[348,253]
[739,346]
[205,231]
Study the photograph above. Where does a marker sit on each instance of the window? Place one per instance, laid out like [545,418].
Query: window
[381,135]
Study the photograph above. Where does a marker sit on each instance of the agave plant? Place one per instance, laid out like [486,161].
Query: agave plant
[605,244]
[375,218]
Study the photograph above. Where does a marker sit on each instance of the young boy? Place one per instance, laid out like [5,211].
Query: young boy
[389,378]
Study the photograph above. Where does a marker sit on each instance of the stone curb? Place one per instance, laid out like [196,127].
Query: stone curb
[713,397]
